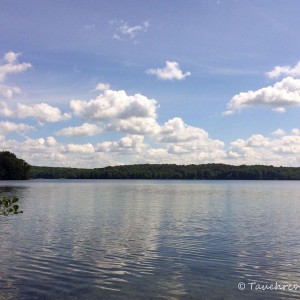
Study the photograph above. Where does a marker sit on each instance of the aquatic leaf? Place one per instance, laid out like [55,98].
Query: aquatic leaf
[14,200]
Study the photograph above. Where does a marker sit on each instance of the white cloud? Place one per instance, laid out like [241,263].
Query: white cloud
[9,91]
[102,86]
[120,111]
[257,140]
[170,72]
[173,142]
[185,143]
[51,141]
[123,30]
[129,144]
[279,96]
[180,154]
[5,110]
[78,148]
[295,131]
[43,112]
[48,152]
[7,127]
[278,132]
[134,125]
[280,150]
[285,71]
[10,65]
[175,130]
[288,145]
[114,105]
[136,115]
[11,57]
[85,129]
[279,109]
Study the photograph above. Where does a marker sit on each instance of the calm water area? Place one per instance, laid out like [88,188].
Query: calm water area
[128,239]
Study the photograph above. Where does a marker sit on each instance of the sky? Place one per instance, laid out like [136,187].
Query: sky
[99,83]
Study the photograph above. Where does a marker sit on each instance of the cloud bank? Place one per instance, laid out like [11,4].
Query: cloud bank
[116,127]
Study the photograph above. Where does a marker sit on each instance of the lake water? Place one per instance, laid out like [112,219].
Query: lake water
[126,239]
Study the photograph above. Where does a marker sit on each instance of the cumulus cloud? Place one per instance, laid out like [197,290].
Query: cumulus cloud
[181,154]
[51,141]
[282,149]
[123,30]
[118,110]
[173,142]
[129,144]
[85,129]
[114,105]
[186,143]
[134,125]
[278,96]
[284,71]
[278,149]
[43,112]
[136,115]
[175,130]
[78,148]
[170,72]
[8,127]
[10,65]
[49,152]
[29,148]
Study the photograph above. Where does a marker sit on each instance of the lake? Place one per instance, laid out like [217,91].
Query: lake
[128,239]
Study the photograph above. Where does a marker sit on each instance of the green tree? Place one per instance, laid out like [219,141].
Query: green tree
[12,167]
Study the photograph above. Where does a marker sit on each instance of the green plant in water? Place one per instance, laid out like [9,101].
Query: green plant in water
[9,206]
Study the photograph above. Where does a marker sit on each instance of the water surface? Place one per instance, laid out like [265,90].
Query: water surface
[126,239]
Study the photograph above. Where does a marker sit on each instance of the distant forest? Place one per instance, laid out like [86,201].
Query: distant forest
[12,168]
[171,171]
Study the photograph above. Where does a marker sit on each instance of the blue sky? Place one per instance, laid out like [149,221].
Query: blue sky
[97,83]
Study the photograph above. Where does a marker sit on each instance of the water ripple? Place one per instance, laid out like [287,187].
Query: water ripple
[150,240]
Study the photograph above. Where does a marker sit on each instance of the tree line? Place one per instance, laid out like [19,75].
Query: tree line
[171,171]
[12,167]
